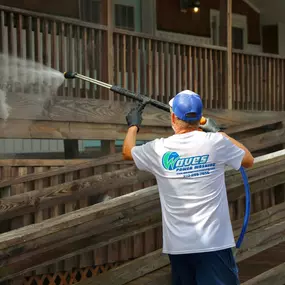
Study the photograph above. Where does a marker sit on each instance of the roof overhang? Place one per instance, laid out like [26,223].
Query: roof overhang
[253,6]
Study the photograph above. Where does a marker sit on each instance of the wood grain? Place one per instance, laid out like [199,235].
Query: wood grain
[36,200]
[69,109]
[104,160]
[274,276]
[141,266]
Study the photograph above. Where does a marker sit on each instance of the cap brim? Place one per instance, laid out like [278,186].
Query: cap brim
[171,102]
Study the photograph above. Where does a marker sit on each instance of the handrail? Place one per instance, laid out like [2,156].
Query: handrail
[155,38]
[85,24]
[67,20]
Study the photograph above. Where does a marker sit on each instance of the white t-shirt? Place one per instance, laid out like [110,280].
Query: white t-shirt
[189,169]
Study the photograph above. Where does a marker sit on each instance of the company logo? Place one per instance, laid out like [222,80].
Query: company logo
[172,160]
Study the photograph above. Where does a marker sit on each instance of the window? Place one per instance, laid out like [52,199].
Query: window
[91,11]
[124,17]
[237,38]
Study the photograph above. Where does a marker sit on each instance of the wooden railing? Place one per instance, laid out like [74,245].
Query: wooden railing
[130,225]
[35,192]
[149,65]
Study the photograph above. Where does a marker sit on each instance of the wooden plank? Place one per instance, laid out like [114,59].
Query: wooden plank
[274,276]
[260,178]
[64,130]
[117,227]
[164,275]
[130,270]
[262,239]
[69,109]
[140,267]
[272,230]
[229,67]
[66,222]
[40,162]
[39,199]
[81,245]
[17,205]
[265,140]
[70,168]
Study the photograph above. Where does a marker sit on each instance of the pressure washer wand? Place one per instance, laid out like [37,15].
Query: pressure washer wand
[117,89]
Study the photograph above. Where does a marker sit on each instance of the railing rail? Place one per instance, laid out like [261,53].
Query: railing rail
[154,66]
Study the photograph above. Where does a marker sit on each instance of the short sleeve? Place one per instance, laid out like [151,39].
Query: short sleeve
[144,156]
[229,153]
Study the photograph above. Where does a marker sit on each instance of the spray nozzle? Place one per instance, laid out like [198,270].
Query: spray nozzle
[70,75]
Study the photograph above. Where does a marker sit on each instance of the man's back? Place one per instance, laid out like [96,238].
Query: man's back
[189,169]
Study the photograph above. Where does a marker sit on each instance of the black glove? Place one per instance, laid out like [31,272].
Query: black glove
[210,126]
[134,117]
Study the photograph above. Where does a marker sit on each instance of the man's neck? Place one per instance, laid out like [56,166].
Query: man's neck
[184,131]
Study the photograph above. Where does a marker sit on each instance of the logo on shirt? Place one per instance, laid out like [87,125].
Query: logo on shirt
[188,166]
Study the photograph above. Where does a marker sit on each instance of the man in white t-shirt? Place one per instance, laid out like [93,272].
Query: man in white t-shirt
[189,167]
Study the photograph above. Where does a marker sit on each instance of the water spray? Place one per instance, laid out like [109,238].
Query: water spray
[20,76]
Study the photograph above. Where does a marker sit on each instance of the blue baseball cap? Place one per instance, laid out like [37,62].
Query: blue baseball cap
[187,106]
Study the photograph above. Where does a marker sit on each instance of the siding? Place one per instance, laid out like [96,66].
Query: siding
[171,19]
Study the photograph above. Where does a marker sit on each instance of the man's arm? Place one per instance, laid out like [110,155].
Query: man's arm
[248,159]
[130,142]
[211,126]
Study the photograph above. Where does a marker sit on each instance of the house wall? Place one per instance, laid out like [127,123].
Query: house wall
[272,12]
[67,8]
[171,19]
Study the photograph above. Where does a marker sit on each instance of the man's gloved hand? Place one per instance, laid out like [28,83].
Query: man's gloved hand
[210,126]
[134,117]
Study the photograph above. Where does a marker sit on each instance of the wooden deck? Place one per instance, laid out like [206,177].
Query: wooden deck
[72,118]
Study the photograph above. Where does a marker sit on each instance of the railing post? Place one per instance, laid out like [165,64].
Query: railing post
[226,41]
[110,49]
[229,80]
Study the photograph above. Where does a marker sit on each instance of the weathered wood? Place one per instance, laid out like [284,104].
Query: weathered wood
[114,230]
[122,276]
[32,201]
[260,179]
[73,130]
[274,276]
[71,247]
[40,162]
[70,168]
[69,109]
[265,140]
[261,219]
[130,270]
[17,205]
[66,223]
[36,240]
[252,125]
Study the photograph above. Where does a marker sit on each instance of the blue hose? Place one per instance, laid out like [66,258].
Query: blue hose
[247,207]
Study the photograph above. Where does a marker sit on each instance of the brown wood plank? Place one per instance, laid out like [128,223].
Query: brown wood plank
[274,276]
[122,276]
[69,168]
[39,199]
[273,231]
[260,178]
[131,270]
[41,162]
[86,110]
[117,227]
